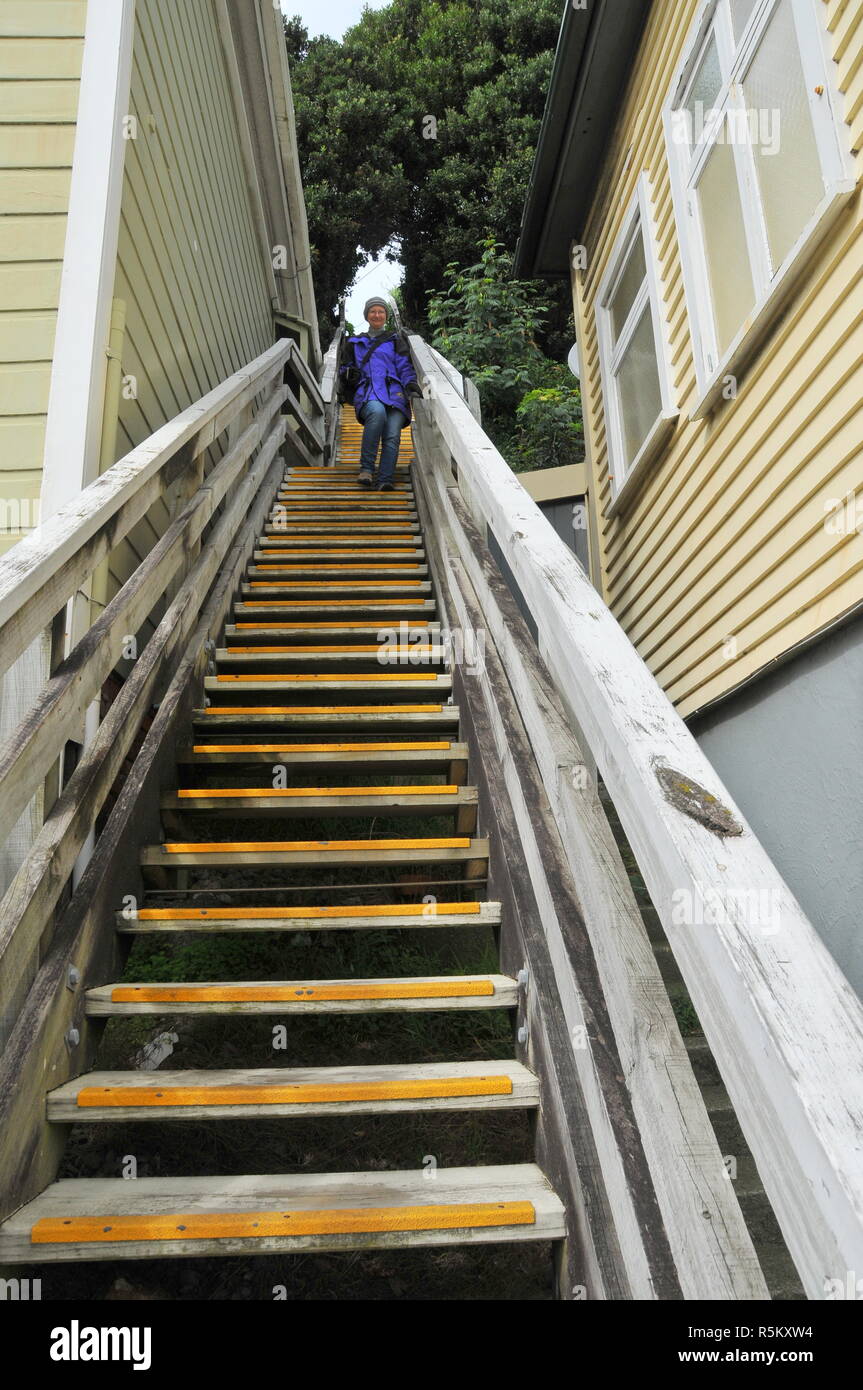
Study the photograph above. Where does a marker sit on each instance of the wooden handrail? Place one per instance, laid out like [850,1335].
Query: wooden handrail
[30,752]
[180,568]
[782,1021]
[39,574]
[41,1044]
[329,393]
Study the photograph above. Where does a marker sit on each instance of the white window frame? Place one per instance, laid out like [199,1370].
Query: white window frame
[773,286]
[638,221]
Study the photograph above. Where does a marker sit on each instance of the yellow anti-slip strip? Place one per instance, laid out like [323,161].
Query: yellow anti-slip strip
[342,491]
[297,994]
[400,507]
[339,569]
[325,496]
[299,1093]
[330,550]
[79,1230]
[323,709]
[333,541]
[313,627]
[433,789]
[319,747]
[337,584]
[263,914]
[354,677]
[337,601]
[288,846]
[325,603]
[369,647]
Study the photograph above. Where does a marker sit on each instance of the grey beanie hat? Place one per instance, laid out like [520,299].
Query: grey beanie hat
[375,299]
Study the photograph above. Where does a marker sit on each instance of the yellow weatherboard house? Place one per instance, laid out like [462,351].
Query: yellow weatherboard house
[698,181]
[152,233]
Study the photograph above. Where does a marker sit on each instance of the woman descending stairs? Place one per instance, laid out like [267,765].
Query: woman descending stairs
[322,788]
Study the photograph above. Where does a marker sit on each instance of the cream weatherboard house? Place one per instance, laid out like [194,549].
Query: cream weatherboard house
[153,240]
[698,180]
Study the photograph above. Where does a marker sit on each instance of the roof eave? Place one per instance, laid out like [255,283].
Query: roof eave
[591,69]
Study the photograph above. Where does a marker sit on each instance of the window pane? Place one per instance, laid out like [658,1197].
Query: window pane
[786,155]
[633,277]
[725,243]
[638,387]
[705,90]
[740,13]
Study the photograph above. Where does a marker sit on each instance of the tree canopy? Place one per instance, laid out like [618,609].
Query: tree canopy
[418,131]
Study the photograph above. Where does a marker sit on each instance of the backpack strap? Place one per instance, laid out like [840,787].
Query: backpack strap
[378,342]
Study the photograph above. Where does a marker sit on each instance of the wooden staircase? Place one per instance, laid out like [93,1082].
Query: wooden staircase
[307,730]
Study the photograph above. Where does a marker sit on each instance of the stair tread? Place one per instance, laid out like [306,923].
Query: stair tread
[375,916]
[346,797]
[395,751]
[305,996]
[73,1199]
[218,1079]
[430,849]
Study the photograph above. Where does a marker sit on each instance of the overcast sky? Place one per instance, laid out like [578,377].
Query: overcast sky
[333,17]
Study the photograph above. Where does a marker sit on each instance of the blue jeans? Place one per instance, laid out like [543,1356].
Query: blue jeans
[381,422]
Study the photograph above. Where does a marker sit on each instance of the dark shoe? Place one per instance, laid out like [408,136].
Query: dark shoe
[365,478]
[385,487]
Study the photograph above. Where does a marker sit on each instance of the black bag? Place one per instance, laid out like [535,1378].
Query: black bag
[349,380]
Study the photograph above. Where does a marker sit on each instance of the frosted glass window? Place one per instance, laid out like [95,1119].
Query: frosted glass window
[727,256]
[773,161]
[631,281]
[789,177]
[741,12]
[638,387]
[705,89]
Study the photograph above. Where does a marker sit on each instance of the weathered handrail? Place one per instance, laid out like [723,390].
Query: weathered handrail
[783,1023]
[38,576]
[53,1035]
[329,393]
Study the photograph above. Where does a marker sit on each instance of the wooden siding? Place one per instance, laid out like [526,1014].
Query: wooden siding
[41,46]
[190,265]
[727,538]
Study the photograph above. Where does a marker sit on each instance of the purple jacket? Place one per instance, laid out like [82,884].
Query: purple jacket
[388,376]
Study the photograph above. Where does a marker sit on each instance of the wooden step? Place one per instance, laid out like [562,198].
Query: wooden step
[269,801]
[339,469]
[284,518]
[290,918]
[402,995]
[98,1218]
[317,635]
[332,610]
[342,532]
[371,654]
[333,591]
[345,540]
[442,849]
[392,755]
[339,492]
[425,684]
[348,718]
[276,572]
[266,1092]
[336,554]
[366,507]
[364,498]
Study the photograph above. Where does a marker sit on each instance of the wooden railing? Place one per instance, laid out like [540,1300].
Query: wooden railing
[46,964]
[329,393]
[654,1208]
